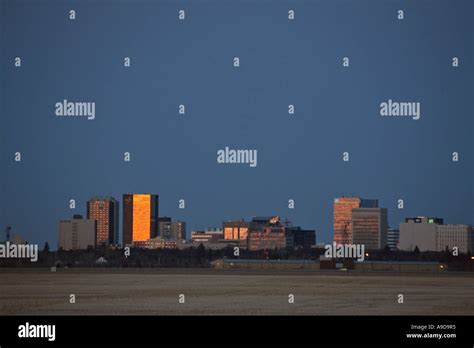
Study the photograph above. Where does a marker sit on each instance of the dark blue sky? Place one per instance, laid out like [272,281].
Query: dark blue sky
[190,62]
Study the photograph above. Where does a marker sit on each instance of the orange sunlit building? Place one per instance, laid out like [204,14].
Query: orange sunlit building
[343,216]
[140,217]
[235,230]
[105,212]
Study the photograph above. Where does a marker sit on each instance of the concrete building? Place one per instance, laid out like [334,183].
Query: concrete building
[450,236]
[393,237]
[171,229]
[164,227]
[431,234]
[140,217]
[343,216]
[77,233]
[106,212]
[369,227]
[178,230]
[419,232]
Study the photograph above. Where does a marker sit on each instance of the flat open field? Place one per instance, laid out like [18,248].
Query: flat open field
[208,292]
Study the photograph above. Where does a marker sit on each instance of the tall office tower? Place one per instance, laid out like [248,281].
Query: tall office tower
[235,230]
[140,217]
[343,216]
[369,227]
[106,212]
[77,233]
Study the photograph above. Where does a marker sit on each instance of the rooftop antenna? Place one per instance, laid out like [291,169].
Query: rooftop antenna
[7,232]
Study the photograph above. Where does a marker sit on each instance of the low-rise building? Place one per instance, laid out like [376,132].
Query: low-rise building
[431,234]
[210,235]
[302,238]
[155,243]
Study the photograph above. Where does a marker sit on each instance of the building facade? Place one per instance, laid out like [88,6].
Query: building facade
[155,243]
[140,217]
[302,238]
[106,212]
[269,237]
[164,227]
[77,233]
[235,230]
[178,230]
[450,236]
[210,235]
[419,232]
[268,233]
[343,216]
[431,234]
[393,237]
[169,229]
[369,227]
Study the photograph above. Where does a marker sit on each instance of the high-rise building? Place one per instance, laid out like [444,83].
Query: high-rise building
[393,237]
[106,212]
[369,227]
[235,230]
[77,233]
[343,216]
[140,217]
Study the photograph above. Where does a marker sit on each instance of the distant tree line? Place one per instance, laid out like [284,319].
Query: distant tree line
[201,257]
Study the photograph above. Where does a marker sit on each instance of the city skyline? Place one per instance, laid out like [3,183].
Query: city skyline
[361,211]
